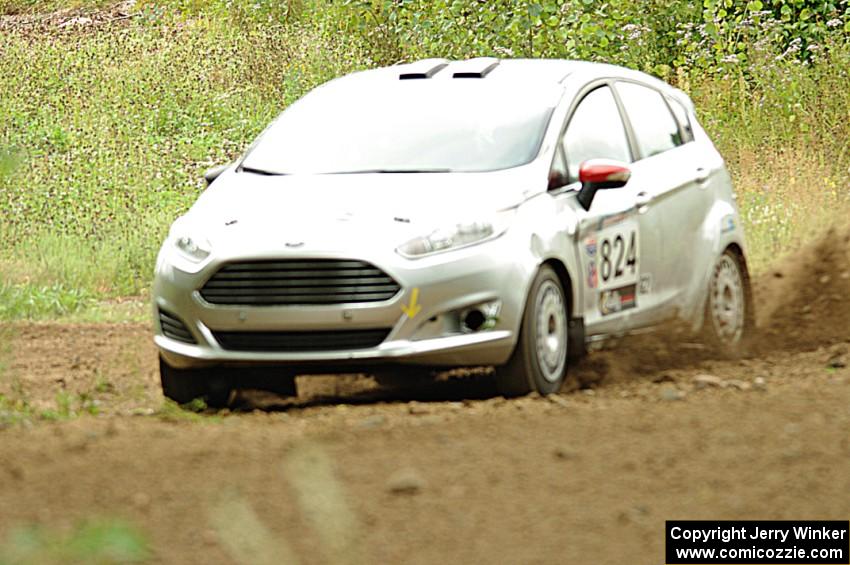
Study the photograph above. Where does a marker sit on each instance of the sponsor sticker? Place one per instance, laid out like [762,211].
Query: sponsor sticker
[617,300]
[645,286]
[590,246]
[607,221]
[592,275]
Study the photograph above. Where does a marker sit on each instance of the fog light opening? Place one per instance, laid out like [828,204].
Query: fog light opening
[473,320]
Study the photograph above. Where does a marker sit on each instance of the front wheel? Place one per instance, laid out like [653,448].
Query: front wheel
[539,362]
[728,308]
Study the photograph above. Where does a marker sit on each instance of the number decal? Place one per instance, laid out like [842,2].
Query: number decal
[611,260]
[618,244]
[605,264]
[617,259]
[631,258]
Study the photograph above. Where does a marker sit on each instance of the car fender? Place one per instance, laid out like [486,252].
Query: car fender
[550,238]
[722,228]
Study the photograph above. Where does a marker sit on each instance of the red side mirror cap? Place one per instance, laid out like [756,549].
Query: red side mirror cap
[604,173]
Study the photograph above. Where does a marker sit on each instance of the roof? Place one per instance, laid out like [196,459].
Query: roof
[548,76]
[516,71]
[538,71]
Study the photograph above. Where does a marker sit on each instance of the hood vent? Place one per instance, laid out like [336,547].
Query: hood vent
[425,68]
[475,68]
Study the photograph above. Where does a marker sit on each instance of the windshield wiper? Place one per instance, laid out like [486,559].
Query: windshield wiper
[389,171]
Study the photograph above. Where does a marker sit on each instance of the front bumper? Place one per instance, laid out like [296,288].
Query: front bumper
[485,348]
[445,287]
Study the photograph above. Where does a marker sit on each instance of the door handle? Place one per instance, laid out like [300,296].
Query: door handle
[701,177]
[642,200]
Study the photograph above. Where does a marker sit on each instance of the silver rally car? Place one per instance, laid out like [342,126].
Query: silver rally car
[444,213]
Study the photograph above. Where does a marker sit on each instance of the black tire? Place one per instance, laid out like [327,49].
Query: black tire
[278,380]
[529,368]
[728,318]
[185,385]
[402,377]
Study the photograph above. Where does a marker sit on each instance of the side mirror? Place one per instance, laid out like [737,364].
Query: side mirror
[214,173]
[598,174]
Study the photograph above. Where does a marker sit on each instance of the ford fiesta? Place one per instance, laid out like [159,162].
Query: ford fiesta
[444,213]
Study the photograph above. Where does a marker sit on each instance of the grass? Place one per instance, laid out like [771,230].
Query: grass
[194,411]
[785,138]
[16,7]
[94,541]
[106,135]
[27,301]
[16,408]
[105,130]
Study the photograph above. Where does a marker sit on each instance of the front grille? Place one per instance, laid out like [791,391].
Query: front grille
[299,282]
[301,341]
[173,328]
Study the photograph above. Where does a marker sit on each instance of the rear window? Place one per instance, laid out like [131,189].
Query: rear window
[405,126]
[682,117]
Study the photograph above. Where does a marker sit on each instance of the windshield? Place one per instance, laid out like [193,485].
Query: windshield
[405,126]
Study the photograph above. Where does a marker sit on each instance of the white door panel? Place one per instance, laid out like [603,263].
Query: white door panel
[617,251]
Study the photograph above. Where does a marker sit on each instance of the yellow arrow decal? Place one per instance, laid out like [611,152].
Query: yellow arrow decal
[413,308]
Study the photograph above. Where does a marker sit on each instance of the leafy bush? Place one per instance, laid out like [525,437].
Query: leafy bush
[105,129]
[651,35]
[112,129]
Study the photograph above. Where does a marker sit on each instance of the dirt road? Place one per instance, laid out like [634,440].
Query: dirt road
[446,473]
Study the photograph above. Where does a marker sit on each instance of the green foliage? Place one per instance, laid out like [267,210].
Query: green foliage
[807,20]
[106,129]
[193,411]
[15,7]
[16,408]
[23,301]
[69,406]
[112,130]
[651,35]
[96,541]
[13,411]
[8,162]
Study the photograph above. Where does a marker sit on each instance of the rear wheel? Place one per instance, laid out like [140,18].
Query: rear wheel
[728,309]
[539,362]
[185,385]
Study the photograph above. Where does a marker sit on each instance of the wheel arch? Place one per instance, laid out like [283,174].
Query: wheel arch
[575,336]
[566,281]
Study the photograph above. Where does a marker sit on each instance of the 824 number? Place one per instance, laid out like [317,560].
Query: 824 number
[617,255]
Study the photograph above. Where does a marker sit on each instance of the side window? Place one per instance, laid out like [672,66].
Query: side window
[682,118]
[558,175]
[595,131]
[651,120]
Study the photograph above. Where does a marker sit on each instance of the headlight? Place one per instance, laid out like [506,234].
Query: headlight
[456,236]
[192,246]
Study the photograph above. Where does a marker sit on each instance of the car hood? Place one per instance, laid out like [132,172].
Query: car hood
[352,207]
